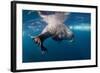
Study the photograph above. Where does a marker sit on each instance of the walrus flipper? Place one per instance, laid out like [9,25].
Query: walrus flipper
[40,39]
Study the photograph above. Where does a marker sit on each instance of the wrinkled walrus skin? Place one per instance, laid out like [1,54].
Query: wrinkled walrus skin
[56,29]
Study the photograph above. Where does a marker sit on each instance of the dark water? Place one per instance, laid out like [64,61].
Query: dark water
[79,49]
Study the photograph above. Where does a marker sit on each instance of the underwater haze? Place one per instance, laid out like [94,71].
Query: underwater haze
[79,49]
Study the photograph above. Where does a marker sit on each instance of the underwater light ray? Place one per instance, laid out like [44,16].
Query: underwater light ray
[81,27]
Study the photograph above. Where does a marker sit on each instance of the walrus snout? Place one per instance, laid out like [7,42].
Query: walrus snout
[71,37]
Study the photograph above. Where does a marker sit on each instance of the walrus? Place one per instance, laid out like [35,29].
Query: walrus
[55,28]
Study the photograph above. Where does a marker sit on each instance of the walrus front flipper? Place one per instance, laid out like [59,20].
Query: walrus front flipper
[39,42]
[40,39]
[43,49]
